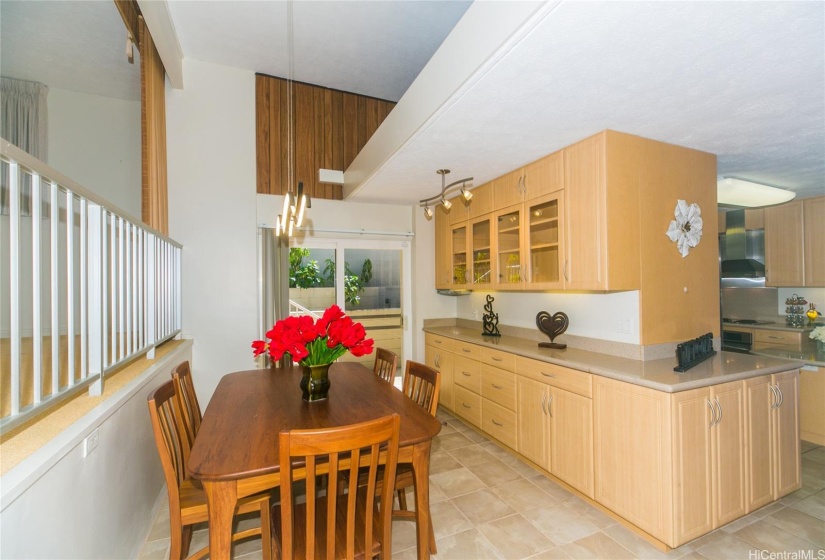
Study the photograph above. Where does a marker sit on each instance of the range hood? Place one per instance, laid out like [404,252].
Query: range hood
[742,252]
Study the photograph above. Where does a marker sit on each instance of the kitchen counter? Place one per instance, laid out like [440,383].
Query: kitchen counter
[807,354]
[654,374]
[778,325]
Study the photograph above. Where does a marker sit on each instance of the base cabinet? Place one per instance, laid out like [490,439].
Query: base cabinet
[709,455]
[442,361]
[811,411]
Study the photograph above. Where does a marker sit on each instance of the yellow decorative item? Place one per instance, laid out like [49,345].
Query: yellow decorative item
[812,314]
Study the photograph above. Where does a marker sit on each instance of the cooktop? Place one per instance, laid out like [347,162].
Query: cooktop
[746,321]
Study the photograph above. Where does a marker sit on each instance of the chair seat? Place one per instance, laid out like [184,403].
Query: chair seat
[193,502]
[299,531]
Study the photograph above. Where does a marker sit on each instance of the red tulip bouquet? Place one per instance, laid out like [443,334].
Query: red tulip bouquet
[312,343]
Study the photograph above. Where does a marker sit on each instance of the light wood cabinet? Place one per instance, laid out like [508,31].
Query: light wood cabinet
[784,249]
[508,233]
[481,252]
[709,458]
[772,429]
[571,439]
[442,361]
[814,232]
[459,243]
[482,201]
[443,249]
[468,405]
[536,179]
[766,338]
[544,242]
[811,398]
[533,429]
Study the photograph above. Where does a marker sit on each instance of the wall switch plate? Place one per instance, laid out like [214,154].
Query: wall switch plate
[626,325]
[90,443]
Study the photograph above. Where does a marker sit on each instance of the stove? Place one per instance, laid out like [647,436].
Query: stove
[735,341]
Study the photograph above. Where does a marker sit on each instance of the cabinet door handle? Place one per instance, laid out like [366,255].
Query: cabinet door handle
[465,405]
[524,185]
[776,337]
[518,185]
[564,271]
[781,396]
[464,373]
[547,374]
[719,408]
[496,386]
[468,350]
[437,341]
[497,359]
[543,398]
[712,413]
[775,402]
[549,406]
[496,423]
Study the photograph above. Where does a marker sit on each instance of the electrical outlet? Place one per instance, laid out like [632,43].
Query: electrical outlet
[475,314]
[625,325]
[90,443]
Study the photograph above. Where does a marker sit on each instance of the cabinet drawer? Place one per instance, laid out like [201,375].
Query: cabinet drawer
[571,380]
[467,405]
[438,341]
[467,373]
[497,358]
[467,349]
[499,422]
[498,386]
[777,337]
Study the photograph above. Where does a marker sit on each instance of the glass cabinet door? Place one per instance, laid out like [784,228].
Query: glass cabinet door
[459,253]
[544,241]
[508,247]
[480,250]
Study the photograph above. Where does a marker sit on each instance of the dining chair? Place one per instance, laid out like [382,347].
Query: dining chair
[188,400]
[335,524]
[187,500]
[386,364]
[422,384]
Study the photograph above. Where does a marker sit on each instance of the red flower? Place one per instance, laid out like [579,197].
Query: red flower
[258,347]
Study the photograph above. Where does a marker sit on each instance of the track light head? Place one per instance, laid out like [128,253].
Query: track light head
[446,203]
[467,195]
[428,212]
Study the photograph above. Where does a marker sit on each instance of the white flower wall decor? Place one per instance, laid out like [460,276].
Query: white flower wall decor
[686,229]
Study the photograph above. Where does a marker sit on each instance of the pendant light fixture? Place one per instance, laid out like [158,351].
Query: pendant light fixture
[441,198]
[295,205]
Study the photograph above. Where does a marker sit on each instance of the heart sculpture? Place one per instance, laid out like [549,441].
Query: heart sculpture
[553,326]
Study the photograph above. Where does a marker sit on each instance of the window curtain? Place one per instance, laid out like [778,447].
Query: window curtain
[23,122]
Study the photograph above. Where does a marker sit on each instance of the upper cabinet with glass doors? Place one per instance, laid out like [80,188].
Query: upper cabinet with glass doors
[544,245]
[509,258]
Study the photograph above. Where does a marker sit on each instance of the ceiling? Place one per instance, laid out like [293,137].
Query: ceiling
[743,80]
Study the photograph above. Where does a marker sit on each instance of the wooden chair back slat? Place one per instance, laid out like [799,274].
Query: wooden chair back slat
[332,452]
[169,434]
[188,401]
[422,384]
[386,364]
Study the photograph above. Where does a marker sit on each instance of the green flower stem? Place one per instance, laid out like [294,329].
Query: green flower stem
[320,353]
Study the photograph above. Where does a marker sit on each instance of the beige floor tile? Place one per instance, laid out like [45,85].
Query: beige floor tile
[246,546]
[154,550]
[800,524]
[254,555]
[160,528]
[472,455]
[482,506]
[765,536]
[559,493]
[807,446]
[813,473]
[200,539]
[768,510]
[515,537]
[436,495]
[639,547]
[593,515]
[448,519]
[522,495]
[693,556]
[475,437]
[727,547]
[451,441]
[467,545]
[598,545]
[442,461]
[740,523]
[559,524]
[446,429]
[457,482]
[812,505]
[553,554]
[494,473]
[403,535]
[817,455]
[696,544]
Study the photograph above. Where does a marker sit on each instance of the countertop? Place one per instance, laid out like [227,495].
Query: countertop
[777,325]
[807,354]
[654,374]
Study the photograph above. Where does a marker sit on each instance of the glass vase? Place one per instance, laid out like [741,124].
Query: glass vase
[315,382]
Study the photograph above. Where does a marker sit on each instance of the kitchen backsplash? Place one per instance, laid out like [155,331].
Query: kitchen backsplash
[766,303]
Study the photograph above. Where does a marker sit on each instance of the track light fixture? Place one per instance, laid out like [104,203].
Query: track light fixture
[441,198]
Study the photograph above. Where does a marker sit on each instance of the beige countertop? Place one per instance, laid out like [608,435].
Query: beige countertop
[654,374]
[777,325]
[807,354]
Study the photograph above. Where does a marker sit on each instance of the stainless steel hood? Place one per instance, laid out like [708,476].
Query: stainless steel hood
[742,252]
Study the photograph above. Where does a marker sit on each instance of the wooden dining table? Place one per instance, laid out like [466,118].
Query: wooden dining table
[236,450]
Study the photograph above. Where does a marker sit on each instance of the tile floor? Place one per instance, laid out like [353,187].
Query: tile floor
[488,504]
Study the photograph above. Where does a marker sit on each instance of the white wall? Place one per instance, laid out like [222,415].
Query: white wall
[96,141]
[591,315]
[210,131]
[58,504]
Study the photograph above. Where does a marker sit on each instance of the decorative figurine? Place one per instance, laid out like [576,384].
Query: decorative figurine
[490,319]
[553,326]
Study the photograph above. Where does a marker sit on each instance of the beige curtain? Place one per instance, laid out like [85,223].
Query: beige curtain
[24,119]
[154,198]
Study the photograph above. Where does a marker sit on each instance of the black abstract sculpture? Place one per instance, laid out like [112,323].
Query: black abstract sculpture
[553,326]
[490,319]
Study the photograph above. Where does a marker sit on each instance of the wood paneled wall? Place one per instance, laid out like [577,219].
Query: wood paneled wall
[330,128]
